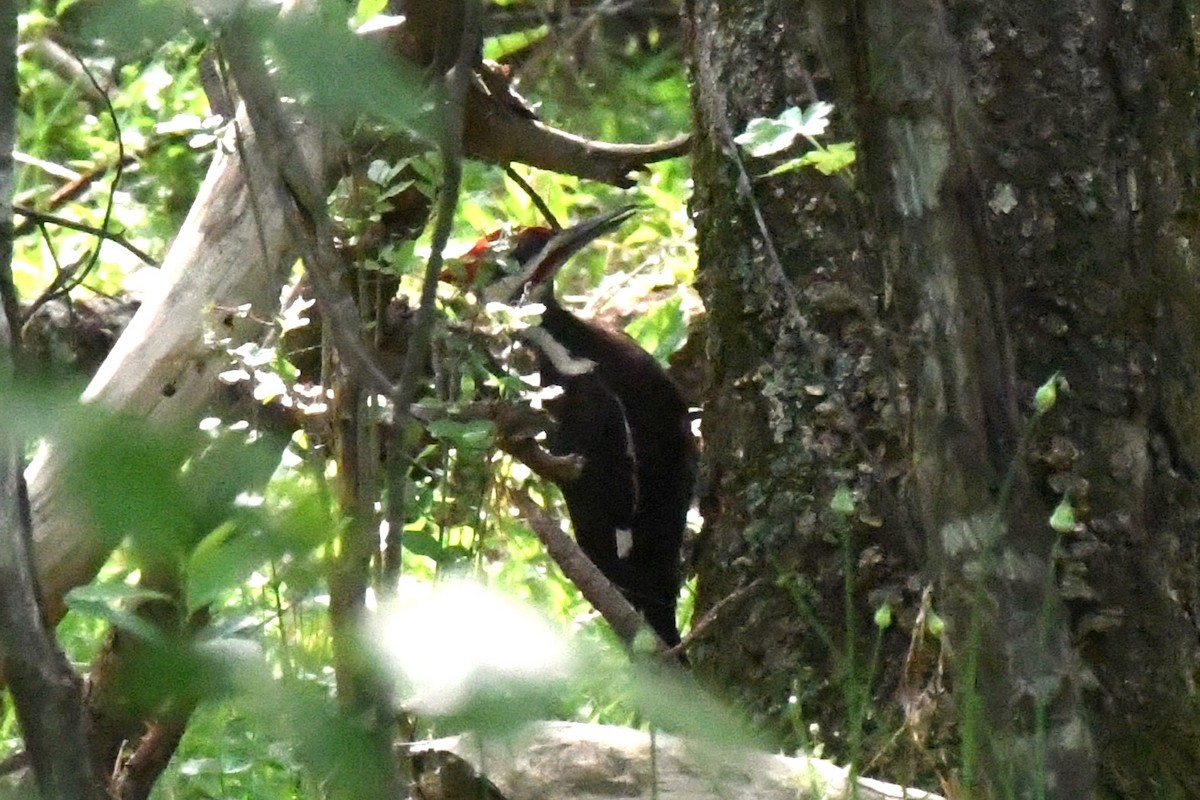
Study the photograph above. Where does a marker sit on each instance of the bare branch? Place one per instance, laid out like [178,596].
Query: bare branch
[534,197]
[501,129]
[499,133]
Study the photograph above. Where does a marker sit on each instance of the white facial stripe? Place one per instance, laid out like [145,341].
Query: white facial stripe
[562,360]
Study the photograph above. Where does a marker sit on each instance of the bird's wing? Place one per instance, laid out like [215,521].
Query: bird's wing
[602,501]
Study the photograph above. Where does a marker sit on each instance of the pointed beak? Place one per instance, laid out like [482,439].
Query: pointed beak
[570,241]
[561,246]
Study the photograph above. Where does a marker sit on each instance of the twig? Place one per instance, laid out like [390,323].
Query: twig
[78,276]
[700,629]
[67,280]
[416,353]
[49,167]
[534,197]
[67,65]
[41,218]
[14,763]
[453,122]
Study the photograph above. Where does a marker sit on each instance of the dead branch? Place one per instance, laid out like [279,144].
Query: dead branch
[232,251]
[499,133]
[501,128]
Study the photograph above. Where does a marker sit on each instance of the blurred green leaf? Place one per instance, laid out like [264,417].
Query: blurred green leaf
[346,75]
[471,656]
[111,592]
[471,434]
[422,544]
[127,28]
[226,468]
[108,603]
[126,476]
[226,557]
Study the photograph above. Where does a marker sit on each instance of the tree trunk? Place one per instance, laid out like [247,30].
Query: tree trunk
[1023,205]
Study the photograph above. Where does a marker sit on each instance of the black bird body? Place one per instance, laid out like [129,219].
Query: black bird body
[628,420]
[622,412]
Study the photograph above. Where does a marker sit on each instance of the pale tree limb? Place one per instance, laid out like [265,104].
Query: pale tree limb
[233,252]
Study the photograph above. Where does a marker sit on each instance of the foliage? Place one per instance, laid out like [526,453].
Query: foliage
[766,136]
[252,538]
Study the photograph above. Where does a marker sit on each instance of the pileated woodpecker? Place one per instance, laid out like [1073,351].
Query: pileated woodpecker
[620,411]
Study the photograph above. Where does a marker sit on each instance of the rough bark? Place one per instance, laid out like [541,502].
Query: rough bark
[1025,205]
[800,402]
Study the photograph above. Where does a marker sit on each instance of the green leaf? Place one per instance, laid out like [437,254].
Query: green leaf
[662,330]
[827,160]
[114,593]
[226,469]
[496,48]
[226,557]
[1062,520]
[103,601]
[347,76]
[128,28]
[1047,394]
[843,501]
[765,136]
[127,476]
[473,434]
[472,655]
[422,544]
[883,616]
[366,9]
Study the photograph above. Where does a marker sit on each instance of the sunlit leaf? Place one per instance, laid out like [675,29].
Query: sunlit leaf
[496,48]
[766,136]
[829,160]
[365,9]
